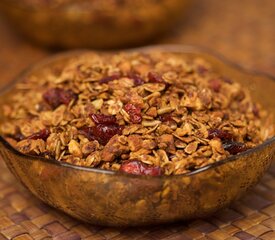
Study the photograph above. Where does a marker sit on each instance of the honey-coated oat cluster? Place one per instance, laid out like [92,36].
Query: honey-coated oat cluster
[146,114]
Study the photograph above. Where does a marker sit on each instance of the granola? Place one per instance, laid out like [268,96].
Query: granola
[141,113]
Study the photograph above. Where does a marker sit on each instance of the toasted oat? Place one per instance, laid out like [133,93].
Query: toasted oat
[151,114]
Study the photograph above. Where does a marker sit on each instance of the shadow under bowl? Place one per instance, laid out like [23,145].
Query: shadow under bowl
[114,199]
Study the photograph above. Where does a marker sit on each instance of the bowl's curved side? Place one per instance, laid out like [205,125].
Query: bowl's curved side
[76,25]
[123,200]
[113,199]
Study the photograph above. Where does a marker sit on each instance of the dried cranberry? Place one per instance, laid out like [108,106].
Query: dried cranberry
[87,132]
[66,96]
[152,171]
[110,78]
[18,136]
[57,96]
[101,132]
[138,168]
[136,78]
[155,77]
[134,112]
[132,167]
[215,84]
[167,117]
[202,70]
[217,133]
[101,118]
[227,80]
[104,132]
[255,110]
[106,127]
[43,134]
[234,147]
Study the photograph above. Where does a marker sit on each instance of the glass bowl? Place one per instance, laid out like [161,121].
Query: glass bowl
[96,24]
[116,199]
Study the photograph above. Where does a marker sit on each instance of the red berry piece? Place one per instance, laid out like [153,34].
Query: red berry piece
[134,112]
[43,134]
[106,127]
[217,133]
[152,171]
[57,96]
[155,77]
[18,136]
[101,132]
[167,117]
[66,96]
[132,167]
[138,168]
[87,132]
[102,118]
[234,147]
[255,110]
[215,84]
[104,132]
[110,78]
[202,70]
[136,78]
[227,80]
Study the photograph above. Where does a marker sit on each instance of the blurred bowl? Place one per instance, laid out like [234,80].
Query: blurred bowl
[93,23]
[115,199]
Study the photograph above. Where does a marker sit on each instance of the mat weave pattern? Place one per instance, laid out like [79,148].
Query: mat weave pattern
[22,216]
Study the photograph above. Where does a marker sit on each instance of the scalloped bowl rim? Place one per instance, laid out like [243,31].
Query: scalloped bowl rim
[164,48]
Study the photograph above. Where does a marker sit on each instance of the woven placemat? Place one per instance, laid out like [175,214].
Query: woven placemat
[22,216]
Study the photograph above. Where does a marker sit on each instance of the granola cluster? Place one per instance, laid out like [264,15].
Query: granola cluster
[147,114]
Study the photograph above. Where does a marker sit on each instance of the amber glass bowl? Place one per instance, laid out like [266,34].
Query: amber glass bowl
[116,199]
[93,23]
